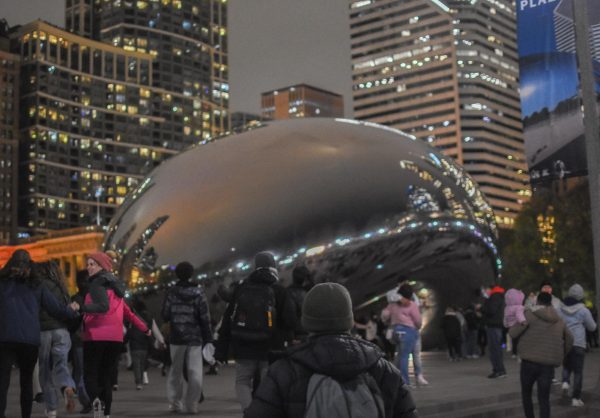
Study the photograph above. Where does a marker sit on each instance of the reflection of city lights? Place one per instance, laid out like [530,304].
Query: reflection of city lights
[315,250]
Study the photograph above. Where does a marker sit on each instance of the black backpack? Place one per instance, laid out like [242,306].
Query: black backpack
[254,315]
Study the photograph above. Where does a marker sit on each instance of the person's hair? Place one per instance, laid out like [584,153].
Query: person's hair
[81,278]
[545,283]
[18,267]
[544,299]
[49,270]
[406,291]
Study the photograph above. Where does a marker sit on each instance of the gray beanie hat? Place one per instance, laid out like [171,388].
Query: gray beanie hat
[327,307]
[576,292]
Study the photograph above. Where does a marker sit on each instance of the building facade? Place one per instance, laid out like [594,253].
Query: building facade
[447,73]
[301,101]
[125,86]
[9,134]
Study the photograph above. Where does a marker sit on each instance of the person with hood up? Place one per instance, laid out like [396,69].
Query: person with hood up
[543,342]
[21,297]
[329,351]
[493,318]
[514,312]
[257,321]
[185,308]
[104,311]
[578,319]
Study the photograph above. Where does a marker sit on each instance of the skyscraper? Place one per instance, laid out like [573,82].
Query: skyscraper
[9,131]
[301,101]
[127,85]
[446,72]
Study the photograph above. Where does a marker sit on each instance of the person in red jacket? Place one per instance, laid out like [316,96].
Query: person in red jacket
[103,313]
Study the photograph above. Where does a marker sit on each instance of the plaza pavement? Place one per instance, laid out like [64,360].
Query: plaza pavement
[455,390]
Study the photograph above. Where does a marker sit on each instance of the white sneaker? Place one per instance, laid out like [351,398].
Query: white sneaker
[421,380]
[577,402]
[145,378]
[174,408]
[565,387]
[98,408]
[51,414]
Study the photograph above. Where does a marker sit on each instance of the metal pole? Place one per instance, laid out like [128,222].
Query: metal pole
[592,129]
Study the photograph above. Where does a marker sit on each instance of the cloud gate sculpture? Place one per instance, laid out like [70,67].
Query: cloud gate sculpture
[358,203]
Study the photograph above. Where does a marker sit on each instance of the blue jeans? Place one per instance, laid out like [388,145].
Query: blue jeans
[77,361]
[574,364]
[54,365]
[494,338]
[407,338]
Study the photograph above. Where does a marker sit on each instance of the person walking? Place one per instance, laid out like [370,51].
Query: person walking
[473,321]
[579,320]
[493,317]
[139,344]
[103,313]
[186,310]
[543,342]
[55,343]
[296,293]
[77,345]
[257,321]
[452,332]
[405,318]
[21,297]
[298,385]
[514,313]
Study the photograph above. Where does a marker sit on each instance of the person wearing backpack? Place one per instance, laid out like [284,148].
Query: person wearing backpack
[257,321]
[332,374]
[185,308]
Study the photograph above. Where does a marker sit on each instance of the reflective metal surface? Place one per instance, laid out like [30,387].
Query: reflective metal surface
[358,203]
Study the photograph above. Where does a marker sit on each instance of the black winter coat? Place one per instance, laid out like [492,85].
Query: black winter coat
[47,321]
[493,311]
[282,394]
[284,327]
[186,309]
[296,295]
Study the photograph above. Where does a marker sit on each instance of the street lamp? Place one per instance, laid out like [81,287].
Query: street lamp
[98,192]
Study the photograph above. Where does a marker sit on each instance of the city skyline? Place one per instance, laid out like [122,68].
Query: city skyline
[274,43]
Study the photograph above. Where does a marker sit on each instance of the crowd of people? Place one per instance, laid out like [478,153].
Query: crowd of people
[298,351]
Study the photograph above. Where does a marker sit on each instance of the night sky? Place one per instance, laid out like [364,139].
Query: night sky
[272,44]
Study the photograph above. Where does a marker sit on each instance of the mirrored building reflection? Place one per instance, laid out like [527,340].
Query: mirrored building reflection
[358,203]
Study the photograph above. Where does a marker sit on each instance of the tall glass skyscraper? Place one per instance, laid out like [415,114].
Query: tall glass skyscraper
[446,71]
[126,85]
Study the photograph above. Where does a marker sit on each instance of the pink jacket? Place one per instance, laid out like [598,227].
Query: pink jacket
[398,314]
[514,311]
[108,326]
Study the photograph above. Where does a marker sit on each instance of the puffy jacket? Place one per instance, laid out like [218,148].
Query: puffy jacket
[578,319]
[105,310]
[545,339]
[186,309]
[20,311]
[493,309]
[47,321]
[282,394]
[284,327]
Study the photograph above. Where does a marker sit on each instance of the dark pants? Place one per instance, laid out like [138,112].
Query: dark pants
[454,347]
[24,356]
[530,374]
[138,362]
[574,364]
[494,338]
[100,359]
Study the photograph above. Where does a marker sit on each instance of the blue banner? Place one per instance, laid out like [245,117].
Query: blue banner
[550,96]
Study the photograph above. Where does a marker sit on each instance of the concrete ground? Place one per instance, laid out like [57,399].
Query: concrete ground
[455,390]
